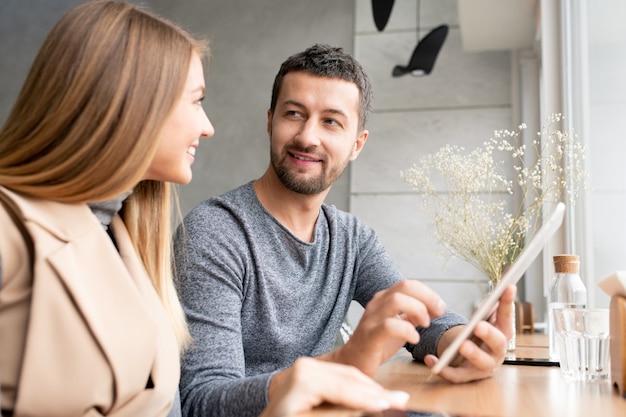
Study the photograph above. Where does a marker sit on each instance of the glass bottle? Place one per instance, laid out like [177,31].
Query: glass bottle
[566,290]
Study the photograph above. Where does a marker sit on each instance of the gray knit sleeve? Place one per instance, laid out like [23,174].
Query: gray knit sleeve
[213,370]
[429,336]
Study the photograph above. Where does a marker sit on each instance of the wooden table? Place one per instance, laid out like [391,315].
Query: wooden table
[514,391]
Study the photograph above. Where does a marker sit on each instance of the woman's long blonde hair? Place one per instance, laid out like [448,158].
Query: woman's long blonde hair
[83,128]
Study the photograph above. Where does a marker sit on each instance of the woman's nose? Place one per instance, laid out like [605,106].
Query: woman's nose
[207,128]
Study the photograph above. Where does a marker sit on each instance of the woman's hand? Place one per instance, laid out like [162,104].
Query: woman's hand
[311,382]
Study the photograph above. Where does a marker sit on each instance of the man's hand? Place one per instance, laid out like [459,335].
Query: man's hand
[388,323]
[481,358]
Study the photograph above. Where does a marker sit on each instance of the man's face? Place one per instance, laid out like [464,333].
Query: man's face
[314,131]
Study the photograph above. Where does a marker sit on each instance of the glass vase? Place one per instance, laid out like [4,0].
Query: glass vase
[511,344]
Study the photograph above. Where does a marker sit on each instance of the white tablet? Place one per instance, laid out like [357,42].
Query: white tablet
[511,276]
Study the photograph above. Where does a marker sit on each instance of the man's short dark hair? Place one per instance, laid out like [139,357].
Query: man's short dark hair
[328,61]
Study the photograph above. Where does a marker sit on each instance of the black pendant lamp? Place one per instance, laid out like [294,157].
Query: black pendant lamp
[425,53]
[382,11]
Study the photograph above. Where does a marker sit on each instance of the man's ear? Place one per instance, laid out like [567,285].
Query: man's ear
[359,144]
[269,123]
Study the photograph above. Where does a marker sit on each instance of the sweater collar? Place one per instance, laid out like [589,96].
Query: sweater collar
[106,210]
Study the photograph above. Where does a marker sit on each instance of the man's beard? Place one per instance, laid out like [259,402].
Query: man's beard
[300,185]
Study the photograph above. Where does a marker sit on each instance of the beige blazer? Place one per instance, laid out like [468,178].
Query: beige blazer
[88,336]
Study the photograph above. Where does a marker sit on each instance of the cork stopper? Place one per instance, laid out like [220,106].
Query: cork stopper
[566,264]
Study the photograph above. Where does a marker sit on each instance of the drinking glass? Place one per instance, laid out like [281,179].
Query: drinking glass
[583,343]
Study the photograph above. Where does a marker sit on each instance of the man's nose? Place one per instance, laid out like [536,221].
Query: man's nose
[309,134]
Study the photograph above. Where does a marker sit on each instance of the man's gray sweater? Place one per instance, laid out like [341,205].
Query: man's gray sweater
[257,297]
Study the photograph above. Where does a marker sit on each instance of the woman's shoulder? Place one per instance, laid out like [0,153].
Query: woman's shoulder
[13,241]
[63,220]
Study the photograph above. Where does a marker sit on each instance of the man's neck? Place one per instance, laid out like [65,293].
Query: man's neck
[297,212]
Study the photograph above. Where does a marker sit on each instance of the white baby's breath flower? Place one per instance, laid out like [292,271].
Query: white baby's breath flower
[469,213]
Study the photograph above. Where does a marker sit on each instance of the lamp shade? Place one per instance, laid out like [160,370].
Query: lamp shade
[381,10]
[425,54]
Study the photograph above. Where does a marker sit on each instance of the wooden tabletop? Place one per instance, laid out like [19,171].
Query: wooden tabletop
[533,345]
[514,391]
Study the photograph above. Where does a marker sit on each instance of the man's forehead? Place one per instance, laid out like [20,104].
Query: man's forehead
[329,92]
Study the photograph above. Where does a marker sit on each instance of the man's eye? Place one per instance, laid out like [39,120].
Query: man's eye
[293,113]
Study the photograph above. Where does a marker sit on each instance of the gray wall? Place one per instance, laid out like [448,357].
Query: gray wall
[465,98]
[249,38]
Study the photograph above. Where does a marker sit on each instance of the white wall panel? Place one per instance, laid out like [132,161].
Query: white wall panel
[458,79]
[397,140]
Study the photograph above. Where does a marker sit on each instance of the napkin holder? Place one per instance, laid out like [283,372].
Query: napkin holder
[615,287]
[618,343]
